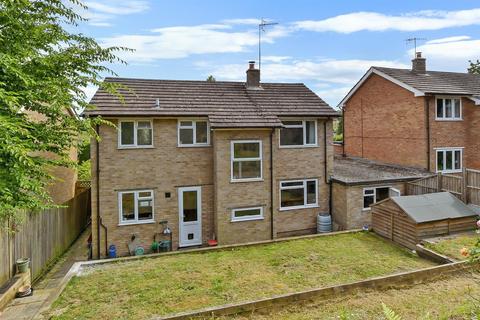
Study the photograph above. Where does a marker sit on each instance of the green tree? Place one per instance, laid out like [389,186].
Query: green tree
[43,69]
[211,78]
[474,67]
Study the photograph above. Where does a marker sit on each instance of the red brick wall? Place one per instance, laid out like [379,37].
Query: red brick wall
[385,122]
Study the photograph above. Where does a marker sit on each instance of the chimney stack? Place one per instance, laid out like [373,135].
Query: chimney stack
[253,76]
[419,64]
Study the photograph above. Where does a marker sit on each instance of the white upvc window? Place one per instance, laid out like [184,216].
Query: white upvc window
[298,133]
[297,194]
[376,194]
[448,108]
[135,207]
[193,133]
[135,134]
[246,160]
[247,214]
[449,160]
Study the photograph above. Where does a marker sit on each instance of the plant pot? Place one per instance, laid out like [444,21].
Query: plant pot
[22,265]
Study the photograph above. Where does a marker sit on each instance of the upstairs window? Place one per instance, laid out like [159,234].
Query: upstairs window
[193,133]
[246,160]
[449,160]
[135,134]
[135,206]
[449,109]
[298,133]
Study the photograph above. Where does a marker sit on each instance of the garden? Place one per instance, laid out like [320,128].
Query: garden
[168,284]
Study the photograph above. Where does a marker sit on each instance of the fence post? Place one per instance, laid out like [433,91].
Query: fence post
[465,185]
[439,182]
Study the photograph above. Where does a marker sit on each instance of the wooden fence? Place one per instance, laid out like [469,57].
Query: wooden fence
[43,236]
[465,185]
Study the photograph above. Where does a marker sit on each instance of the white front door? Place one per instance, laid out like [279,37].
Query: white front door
[190,210]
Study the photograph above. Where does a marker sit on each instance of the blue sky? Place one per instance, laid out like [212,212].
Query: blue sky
[328,45]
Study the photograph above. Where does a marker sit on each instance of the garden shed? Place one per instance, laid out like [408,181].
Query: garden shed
[408,219]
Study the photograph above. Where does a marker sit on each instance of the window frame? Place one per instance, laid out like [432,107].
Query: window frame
[375,194]
[304,127]
[136,198]
[194,130]
[443,117]
[452,149]
[248,218]
[232,160]
[305,194]
[135,144]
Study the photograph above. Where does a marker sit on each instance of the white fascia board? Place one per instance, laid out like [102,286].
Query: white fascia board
[476,100]
[416,92]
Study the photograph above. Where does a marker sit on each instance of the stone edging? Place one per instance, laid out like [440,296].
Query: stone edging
[398,280]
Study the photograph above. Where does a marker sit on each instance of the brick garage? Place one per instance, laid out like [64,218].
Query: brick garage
[356,178]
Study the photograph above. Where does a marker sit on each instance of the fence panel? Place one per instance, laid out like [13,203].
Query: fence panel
[473,186]
[43,236]
[423,186]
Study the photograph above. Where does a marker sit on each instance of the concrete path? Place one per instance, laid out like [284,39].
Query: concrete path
[27,308]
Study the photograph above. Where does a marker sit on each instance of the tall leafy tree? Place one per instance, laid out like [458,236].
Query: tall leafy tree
[474,67]
[43,68]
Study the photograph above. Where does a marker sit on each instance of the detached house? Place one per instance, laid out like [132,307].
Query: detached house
[414,117]
[230,161]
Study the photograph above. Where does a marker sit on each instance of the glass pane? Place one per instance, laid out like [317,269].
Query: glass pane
[144,137]
[246,150]
[246,169]
[292,197]
[126,129]
[448,108]
[146,194]
[201,134]
[186,123]
[186,136]
[369,191]
[382,193]
[458,160]
[311,192]
[128,206]
[246,213]
[190,206]
[145,210]
[457,108]
[439,108]
[449,160]
[292,123]
[440,160]
[367,201]
[291,136]
[310,131]
[292,184]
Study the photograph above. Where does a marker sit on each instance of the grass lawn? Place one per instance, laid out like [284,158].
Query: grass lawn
[144,288]
[450,246]
[451,298]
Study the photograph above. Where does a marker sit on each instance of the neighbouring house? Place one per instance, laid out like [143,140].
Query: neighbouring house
[414,117]
[359,183]
[407,220]
[231,161]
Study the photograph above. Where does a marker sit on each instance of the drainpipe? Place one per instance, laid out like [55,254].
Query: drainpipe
[271,184]
[343,131]
[97,174]
[327,179]
[427,125]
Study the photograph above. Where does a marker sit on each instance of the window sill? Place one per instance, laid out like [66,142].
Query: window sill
[366,209]
[298,147]
[249,219]
[246,180]
[451,171]
[135,223]
[448,120]
[193,145]
[135,147]
[298,207]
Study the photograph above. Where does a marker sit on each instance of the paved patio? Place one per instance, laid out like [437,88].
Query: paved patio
[29,307]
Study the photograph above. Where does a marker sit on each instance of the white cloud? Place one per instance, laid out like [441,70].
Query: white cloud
[345,72]
[373,21]
[183,41]
[275,58]
[101,13]
[333,95]
[450,54]
[247,21]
